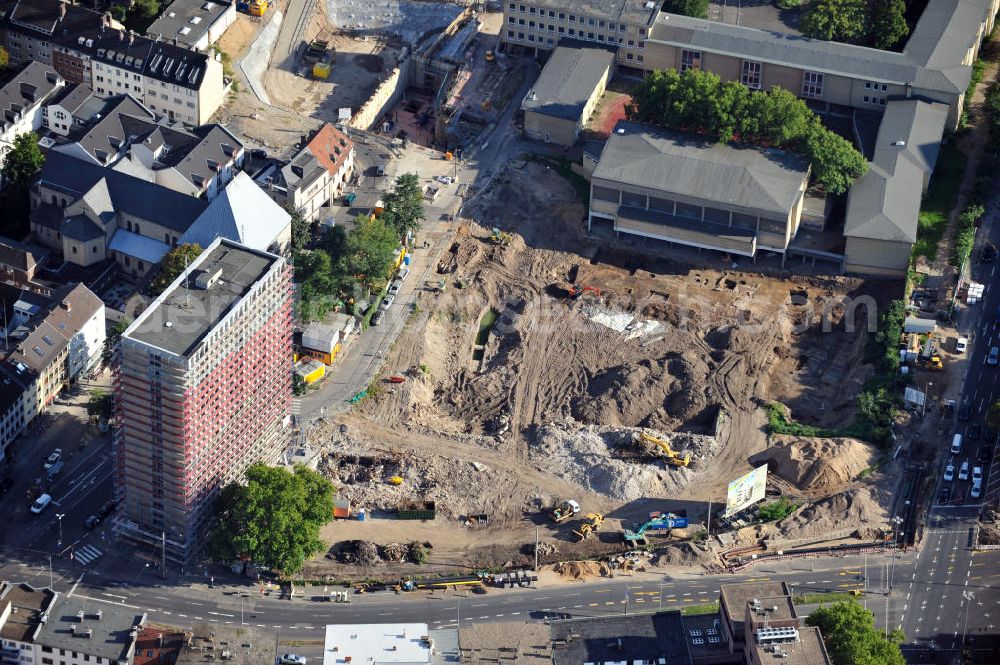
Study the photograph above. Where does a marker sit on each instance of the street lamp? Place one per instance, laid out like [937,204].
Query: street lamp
[897,520]
[59,517]
[927,396]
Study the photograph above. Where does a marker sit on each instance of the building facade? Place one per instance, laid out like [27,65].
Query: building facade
[22,102]
[203,389]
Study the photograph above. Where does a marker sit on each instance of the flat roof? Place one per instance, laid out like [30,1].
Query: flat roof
[673,162]
[775,608]
[568,80]
[631,11]
[184,314]
[187,21]
[26,607]
[246,645]
[489,643]
[376,643]
[110,625]
[808,649]
[621,638]
[705,636]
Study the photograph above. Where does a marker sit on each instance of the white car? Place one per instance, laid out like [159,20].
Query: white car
[949,472]
[41,503]
[963,471]
[395,287]
[387,303]
[961,345]
[292,659]
[977,489]
[977,474]
[53,459]
[444,179]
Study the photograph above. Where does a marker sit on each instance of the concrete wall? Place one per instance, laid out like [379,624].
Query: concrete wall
[386,95]
[541,127]
[877,257]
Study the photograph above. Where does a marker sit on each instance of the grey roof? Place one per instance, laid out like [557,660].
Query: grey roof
[124,117]
[621,638]
[671,162]
[43,16]
[73,97]
[247,645]
[884,203]
[16,255]
[947,29]
[511,644]
[734,598]
[568,80]
[181,14]
[30,87]
[192,312]
[139,198]
[800,52]
[78,227]
[111,636]
[241,212]
[808,649]
[631,11]
[27,603]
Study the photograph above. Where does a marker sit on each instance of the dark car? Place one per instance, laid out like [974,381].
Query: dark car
[965,411]
[92,522]
[985,454]
[988,254]
[107,508]
[377,317]
[944,495]
[974,433]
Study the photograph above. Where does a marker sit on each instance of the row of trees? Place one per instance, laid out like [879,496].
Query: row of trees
[698,101]
[878,23]
[344,267]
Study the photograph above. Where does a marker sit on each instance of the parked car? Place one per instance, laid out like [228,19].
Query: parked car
[92,522]
[965,411]
[292,659]
[961,344]
[945,494]
[377,317]
[994,357]
[963,471]
[54,470]
[977,474]
[387,302]
[975,431]
[988,253]
[403,273]
[41,503]
[977,489]
[53,459]
[949,472]
[985,453]
[107,508]
[395,287]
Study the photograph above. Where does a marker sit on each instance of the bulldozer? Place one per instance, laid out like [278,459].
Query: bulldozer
[593,523]
[564,511]
[498,237]
[673,458]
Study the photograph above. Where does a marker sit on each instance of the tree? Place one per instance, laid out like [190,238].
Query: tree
[835,20]
[4,58]
[111,341]
[318,284]
[849,632]
[24,161]
[173,264]
[371,247]
[695,8]
[302,230]
[835,162]
[888,23]
[272,520]
[993,416]
[101,405]
[404,205]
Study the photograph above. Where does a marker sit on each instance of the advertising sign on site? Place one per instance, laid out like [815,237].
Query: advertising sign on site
[746,490]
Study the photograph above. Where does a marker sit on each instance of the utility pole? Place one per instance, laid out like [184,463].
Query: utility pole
[51,583]
[536,548]
[59,517]
[708,525]
[163,554]
[242,596]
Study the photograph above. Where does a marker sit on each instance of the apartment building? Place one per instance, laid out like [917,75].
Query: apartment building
[87,47]
[23,610]
[22,101]
[313,177]
[194,24]
[79,632]
[677,188]
[203,390]
[74,106]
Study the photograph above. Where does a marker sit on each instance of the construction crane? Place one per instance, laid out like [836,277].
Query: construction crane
[564,511]
[673,458]
[498,237]
[593,523]
[661,522]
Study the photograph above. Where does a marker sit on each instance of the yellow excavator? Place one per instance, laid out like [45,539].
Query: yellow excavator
[673,458]
[498,237]
[593,523]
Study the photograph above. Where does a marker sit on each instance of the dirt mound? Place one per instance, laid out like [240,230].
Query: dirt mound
[580,570]
[819,467]
[358,552]
[837,516]
[682,554]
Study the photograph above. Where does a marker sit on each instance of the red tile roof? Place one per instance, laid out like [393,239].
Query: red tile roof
[325,146]
[150,650]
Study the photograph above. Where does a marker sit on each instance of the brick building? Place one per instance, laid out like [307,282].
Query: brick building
[203,390]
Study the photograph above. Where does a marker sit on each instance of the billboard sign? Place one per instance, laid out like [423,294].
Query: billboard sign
[746,490]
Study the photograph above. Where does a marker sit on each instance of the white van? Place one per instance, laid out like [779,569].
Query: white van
[41,503]
[956,444]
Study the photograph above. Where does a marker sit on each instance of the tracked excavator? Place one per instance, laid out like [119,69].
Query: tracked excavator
[673,458]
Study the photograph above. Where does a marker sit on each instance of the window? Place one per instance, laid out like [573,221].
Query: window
[74,249]
[590,22]
[638,58]
[510,35]
[631,43]
[531,24]
[606,194]
[520,21]
[751,74]
[661,205]
[512,6]
[716,215]
[531,38]
[572,18]
[562,16]
[562,30]
[600,37]
[590,35]
[744,221]
[572,32]
[552,14]
[511,19]
[521,9]
[689,59]
[812,84]
[520,35]
[621,27]
[688,210]
[633,200]
[642,44]
[531,10]
[629,56]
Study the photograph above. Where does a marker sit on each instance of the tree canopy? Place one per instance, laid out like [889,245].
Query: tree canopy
[101,405]
[173,264]
[111,341]
[4,58]
[404,205]
[695,8]
[272,520]
[888,23]
[302,230]
[24,160]
[879,23]
[849,632]
[699,102]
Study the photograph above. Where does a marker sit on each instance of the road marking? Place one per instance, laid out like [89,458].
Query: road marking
[75,584]
[598,591]
[191,602]
[222,614]
[514,614]
[160,598]
[610,602]
[111,602]
[183,615]
[592,605]
[498,615]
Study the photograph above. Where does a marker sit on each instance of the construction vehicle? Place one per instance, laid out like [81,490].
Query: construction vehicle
[564,511]
[498,237]
[673,458]
[576,291]
[662,522]
[252,7]
[315,51]
[593,523]
[396,480]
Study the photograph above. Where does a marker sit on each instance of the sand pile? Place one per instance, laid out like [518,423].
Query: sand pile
[586,455]
[838,515]
[682,554]
[819,467]
[579,570]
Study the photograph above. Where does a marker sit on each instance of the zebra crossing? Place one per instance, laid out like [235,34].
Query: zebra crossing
[86,554]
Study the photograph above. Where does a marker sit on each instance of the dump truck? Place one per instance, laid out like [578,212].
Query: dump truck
[564,511]
[593,523]
[673,458]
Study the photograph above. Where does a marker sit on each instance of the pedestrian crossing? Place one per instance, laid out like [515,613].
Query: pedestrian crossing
[86,554]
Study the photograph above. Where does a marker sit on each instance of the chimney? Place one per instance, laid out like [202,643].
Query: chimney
[131,37]
[121,35]
[159,640]
[67,305]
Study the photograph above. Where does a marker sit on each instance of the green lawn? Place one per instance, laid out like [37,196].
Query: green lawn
[939,200]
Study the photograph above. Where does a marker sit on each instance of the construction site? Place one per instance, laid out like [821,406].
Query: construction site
[558,386]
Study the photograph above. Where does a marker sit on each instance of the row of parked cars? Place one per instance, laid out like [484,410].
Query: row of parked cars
[390,297]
